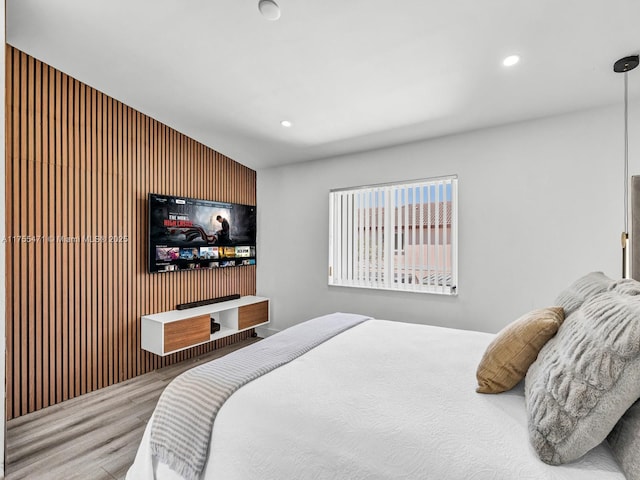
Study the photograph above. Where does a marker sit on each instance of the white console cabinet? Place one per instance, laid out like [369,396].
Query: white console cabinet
[169,332]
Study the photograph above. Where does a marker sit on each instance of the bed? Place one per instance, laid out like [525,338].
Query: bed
[381,400]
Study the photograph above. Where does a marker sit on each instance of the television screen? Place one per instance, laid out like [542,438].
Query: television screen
[192,234]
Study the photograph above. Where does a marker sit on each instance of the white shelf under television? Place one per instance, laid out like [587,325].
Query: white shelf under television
[170,332]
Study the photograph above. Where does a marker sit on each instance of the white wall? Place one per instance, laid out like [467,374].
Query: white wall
[540,203]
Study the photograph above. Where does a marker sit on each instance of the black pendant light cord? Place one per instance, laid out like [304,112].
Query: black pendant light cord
[623,66]
[626,152]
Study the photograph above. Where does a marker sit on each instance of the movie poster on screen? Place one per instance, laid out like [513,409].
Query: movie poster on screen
[191,234]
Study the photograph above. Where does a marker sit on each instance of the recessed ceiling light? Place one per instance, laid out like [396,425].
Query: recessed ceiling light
[511,60]
[269,9]
[286,123]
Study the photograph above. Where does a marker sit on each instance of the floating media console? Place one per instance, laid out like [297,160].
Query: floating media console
[169,332]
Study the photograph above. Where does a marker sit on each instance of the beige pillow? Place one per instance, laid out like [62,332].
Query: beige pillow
[515,348]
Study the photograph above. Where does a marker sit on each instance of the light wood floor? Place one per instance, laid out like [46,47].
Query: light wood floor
[94,436]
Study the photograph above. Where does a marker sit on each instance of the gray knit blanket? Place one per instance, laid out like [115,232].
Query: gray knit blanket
[184,417]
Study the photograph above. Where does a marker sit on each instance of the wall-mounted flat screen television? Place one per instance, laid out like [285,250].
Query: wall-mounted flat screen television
[193,234]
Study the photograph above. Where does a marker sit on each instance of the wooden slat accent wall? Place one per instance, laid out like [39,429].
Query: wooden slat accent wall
[80,164]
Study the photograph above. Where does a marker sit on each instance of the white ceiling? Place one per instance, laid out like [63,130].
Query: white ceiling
[350,74]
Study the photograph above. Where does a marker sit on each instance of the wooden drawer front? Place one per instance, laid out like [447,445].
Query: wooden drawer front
[254,314]
[187,332]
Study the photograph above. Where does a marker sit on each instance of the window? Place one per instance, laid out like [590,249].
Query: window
[398,236]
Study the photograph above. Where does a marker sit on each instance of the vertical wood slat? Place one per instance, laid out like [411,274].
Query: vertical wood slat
[22,214]
[11,137]
[82,273]
[37,227]
[80,166]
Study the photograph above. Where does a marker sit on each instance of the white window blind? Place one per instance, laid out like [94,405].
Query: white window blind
[399,236]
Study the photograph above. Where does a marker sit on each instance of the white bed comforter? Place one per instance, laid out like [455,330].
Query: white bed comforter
[384,400]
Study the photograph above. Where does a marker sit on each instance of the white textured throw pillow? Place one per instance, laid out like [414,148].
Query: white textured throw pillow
[572,297]
[624,440]
[585,378]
